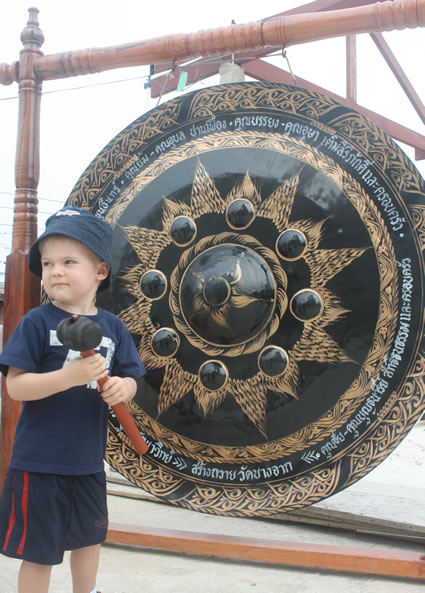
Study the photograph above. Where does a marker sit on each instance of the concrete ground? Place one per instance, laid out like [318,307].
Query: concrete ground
[126,569]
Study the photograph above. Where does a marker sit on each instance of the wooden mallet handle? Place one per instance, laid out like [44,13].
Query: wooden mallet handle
[83,334]
[124,418]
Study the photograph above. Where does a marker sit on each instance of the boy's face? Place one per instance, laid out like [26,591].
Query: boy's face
[71,273]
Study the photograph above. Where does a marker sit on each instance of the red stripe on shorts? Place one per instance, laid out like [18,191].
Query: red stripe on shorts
[24,504]
[12,520]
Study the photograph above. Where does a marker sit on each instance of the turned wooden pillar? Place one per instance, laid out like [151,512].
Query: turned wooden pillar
[22,289]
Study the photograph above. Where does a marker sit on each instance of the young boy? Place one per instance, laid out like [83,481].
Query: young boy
[54,498]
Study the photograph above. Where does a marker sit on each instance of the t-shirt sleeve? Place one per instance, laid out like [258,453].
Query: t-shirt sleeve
[23,349]
[127,361]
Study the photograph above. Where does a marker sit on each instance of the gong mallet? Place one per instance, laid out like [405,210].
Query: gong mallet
[82,334]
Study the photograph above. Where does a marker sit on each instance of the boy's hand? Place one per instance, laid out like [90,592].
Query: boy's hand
[83,370]
[25,386]
[117,389]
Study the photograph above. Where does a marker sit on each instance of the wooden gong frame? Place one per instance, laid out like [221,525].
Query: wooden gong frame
[32,69]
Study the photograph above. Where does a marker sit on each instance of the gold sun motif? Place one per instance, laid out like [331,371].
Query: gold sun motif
[314,343]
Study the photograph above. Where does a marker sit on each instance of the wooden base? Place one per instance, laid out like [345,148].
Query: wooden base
[350,559]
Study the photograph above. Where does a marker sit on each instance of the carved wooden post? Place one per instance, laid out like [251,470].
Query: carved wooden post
[22,289]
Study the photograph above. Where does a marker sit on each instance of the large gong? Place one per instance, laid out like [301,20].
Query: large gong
[267,258]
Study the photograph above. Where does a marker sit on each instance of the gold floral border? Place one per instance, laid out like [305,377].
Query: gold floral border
[121,152]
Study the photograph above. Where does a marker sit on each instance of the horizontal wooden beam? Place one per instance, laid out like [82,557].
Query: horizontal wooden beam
[350,559]
[279,32]
[240,57]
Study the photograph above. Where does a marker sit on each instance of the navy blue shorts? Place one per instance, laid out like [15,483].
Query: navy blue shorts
[42,515]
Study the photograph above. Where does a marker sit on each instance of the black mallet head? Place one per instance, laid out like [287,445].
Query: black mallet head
[79,333]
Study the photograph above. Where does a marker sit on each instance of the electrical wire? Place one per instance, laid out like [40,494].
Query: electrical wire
[86,86]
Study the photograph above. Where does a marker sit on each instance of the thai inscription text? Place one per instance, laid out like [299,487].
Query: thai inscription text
[140,161]
[244,474]
[106,200]
[208,127]
[256,121]
[393,360]
[301,130]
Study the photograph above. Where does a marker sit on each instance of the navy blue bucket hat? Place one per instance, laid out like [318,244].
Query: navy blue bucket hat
[76,223]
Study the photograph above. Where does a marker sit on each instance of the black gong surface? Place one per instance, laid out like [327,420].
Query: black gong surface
[267,258]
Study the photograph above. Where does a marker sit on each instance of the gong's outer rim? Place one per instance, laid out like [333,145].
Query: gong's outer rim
[396,419]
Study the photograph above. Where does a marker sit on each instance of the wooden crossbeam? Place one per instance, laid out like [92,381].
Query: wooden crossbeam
[349,559]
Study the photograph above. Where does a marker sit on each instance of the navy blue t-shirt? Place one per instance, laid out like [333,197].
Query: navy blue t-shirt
[66,432]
